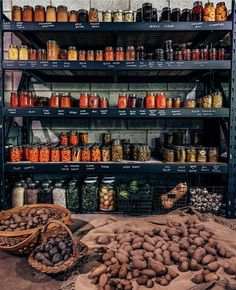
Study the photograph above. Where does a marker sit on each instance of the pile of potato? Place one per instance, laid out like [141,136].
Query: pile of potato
[28,219]
[145,257]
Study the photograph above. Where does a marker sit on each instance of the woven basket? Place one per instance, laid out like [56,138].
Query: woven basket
[22,242]
[58,229]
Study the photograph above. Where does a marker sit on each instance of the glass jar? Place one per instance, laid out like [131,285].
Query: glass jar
[166,14]
[189,104]
[186,15]
[209,12]
[196,138]
[59,194]
[118,16]
[204,54]
[65,154]
[141,102]
[31,194]
[45,194]
[93,101]
[129,16]
[76,154]
[89,195]
[191,154]
[90,55]
[23,99]
[177,103]
[73,138]
[52,50]
[169,155]
[147,12]
[221,12]
[13,53]
[55,100]
[18,195]
[73,17]
[44,154]
[127,151]
[109,53]
[16,13]
[103,103]
[85,154]
[161,101]
[139,17]
[84,138]
[202,154]
[197,11]
[55,154]
[72,197]
[122,101]
[96,153]
[106,153]
[196,54]
[93,15]
[212,54]
[135,150]
[132,101]
[154,15]
[62,14]
[150,101]
[23,53]
[82,55]
[83,16]
[117,151]
[72,53]
[150,56]
[217,100]
[221,54]
[130,53]
[99,55]
[106,138]
[65,101]
[51,14]
[206,102]
[175,15]
[142,153]
[39,13]
[148,153]
[15,155]
[178,55]
[159,54]
[41,54]
[169,103]
[179,138]
[180,154]
[84,100]
[120,55]
[187,55]
[64,139]
[169,138]
[140,53]
[32,54]
[14,100]
[107,195]
[27,15]
[213,154]
[107,16]
[34,153]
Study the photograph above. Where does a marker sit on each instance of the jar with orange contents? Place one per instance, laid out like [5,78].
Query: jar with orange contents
[65,154]
[96,153]
[160,101]
[83,101]
[26,153]
[99,55]
[21,152]
[14,100]
[27,14]
[76,154]
[93,101]
[44,154]
[90,55]
[109,53]
[32,54]
[74,138]
[34,153]
[72,53]
[39,13]
[169,103]
[51,14]
[82,55]
[62,14]
[23,99]
[41,54]
[65,101]
[103,103]
[130,53]
[120,55]
[73,17]
[64,139]
[52,50]
[221,12]
[55,154]
[16,13]
[150,101]
[122,101]
[15,155]
[55,100]
[85,154]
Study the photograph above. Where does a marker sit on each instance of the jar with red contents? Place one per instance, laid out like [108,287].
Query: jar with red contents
[103,103]
[197,11]
[122,101]
[204,54]
[93,101]
[85,154]
[160,101]
[187,54]
[64,139]
[65,101]
[34,153]
[14,100]
[30,100]
[196,54]
[23,99]
[221,54]
[66,154]
[32,54]
[150,101]
[99,55]
[44,154]
[55,100]
[212,54]
[74,138]
[15,155]
[96,153]
[132,101]
[84,100]
[120,55]
[55,154]
[109,53]
[178,55]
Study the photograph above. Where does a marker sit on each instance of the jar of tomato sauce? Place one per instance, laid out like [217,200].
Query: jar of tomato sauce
[161,101]
[44,154]
[84,100]
[122,101]
[66,154]
[55,100]
[65,101]
[23,99]
[14,100]
[34,153]
[74,138]
[103,103]
[109,53]
[93,101]
[15,155]
[120,55]
[150,101]
[27,15]
[64,139]
[85,154]
[39,13]
[55,154]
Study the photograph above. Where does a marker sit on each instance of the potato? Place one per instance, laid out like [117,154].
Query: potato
[129,276]
[57,258]
[121,258]
[210,250]
[197,279]
[213,267]
[150,284]
[182,259]
[138,240]
[158,267]
[172,232]
[142,280]
[149,240]
[136,273]
[231,269]
[137,245]
[149,273]
[137,252]
[103,240]
[222,251]
[128,248]
[198,241]
[139,264]
[122,251]
[164,282]
[148,247]
[158,252]
[103,279]
[123,271]
[156,230]
[159,258]
[107,256]
[125,239]
[138,257]
[175,256]
[194,266]
[208,259]
[114,270]
[108,263]
[210,277]
[166,258]
[159,244]
[99,270]
[172,273]
[184,266]
[199,253]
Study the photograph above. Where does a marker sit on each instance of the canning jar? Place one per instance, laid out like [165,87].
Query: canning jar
[39,13]
[178,55]
[132,101]
[128,16]
[72,196]
[127,151]
[76,154]
[180,154]
[122,101]
[160,101]
[59,194]
[15,155]
[135,150]
[83,101]
[51,14]
[63,54]
[18,195]
[130,53]
[176,102]
[159,54]
[103,103]
[65,101]
[166,14]
[139,17]
[109,53]
[169,138]
[169,155]
[196,138]
[154,15]
[52,50]
[120,55]
[191,154]
[140,53]
[187,54]
[27,15]
[217,100]
[85,153]
[65,154]
[221,54]
[106,153]
[13,53]
[93,15]
[72,53]
[82,55]
[142,156]
[41,54]
[83,16]
[45,194]
[150,101]
[150,56]
[206,102]
[73,138]
[212,54]
[118,16]
[89,195]
[62,14]
[93,101]
[84,138]
[31,194]
[55,154]
[186,15]
[147,12]
[213,154]
[99,55]
[34,153]
[201,154]
[32,54]
[117,151]
[209,12]
[196,54]
[106,138]
[197,11]
[96,153]
[44,154]
[189,104]
[107,16]
[221,12]
[107,195]
[16,13]
[169,103]
[23,53]
[141,102]
[204,54]
[64,139]
[14,100]
[23,99]
[175,15]
[90,55]
[55,100]
[73,17]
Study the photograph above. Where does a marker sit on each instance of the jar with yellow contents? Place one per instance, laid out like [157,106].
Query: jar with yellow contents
[13,53]
[221,12]
[72,53]
[209,12]
[24,53]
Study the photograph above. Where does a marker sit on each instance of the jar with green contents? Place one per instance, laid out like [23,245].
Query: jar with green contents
[202,154]
[72,197]
[90,195]
[180,154]
[117,151]
[107,195]
[191,154]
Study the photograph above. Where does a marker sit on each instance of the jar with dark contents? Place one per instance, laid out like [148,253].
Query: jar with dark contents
[83,16]
[93,101]
[106,138]
[85,153]
[178,138]
[159,54]
[140,53]
[213,154]
[39,13]
[141,102]
[132,101]
[169,52]
[175,15]
[201,154]
[139,17]
[93,15]
[154,15]
[84,138]
[31,194]
[186,15]
[166,14]
[127,151]
[150,56]
[27,15]
[41,54]
[106,153]
[117,151]
[45,194]
[135,150]
[197,11]
[169,155]
[187,54]
[196,54]
[196,138]
[169,138]
[96,153]
[147,12]
[221,54]
[178,55]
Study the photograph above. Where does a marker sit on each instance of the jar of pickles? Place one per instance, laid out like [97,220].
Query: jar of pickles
[65,154]
[128,16]
[197,11]
[13,53]
[72,196]
[52,50]
[39,13]
[130,53]
[51,14]
[122,101]
[191,154]
[15,155]
[150,101]
[206,102]
[64,139]
[76,154]
[93,15]
[84,100]
[118,16]
[89,195]
[23,53]
[34,153]
[72,53]
[55,154]
[16,14]
[109,53]
[44,154]
[23,99]
[96,153]
[73,17]
[93,101]
[117,151]
[217,100]
[209,12]
[221,12]
[85,153]
[107,16]
[180,154]
[27,15]
[73,138]
[107,195]
[62,14]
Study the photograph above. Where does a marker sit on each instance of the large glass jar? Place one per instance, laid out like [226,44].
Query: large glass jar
[86,153]
[66,154]
[62,14]
[191,154]
[209,12]
[217,100]
[65,101]
[83,101]
[27,15]
[44,154]
[59,194]
[118,16]
[18,195]
[106,138]
[166,14]
[122,101]
[23,99]
[132,101]
[55,154]
[169,103]
[161,100]
[139,17]
[72,196]
[106,153]
[120,55]
[206,102]
[117,151]
[197,11]
[83,16]
[16,13]
[52,50]
[64,139]
[129,16]
[96,153]
[76,154]
[107,195]
[89,195]
[45,194]
[93,15]
[201,154]
[51,14]
[109,53]
[72,53]
[130,53]
[73,17]
[39,13]
[150,101]
[221,12]
[107,16]
[34,153]
[103,103]
[23,53]
[13,53]
[93,101]
[147,12]
[31,194]
[55,100]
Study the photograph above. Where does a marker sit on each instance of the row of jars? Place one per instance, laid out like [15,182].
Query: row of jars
[180,138]
[190,154]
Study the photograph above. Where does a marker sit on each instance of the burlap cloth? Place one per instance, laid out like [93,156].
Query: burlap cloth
[225,233]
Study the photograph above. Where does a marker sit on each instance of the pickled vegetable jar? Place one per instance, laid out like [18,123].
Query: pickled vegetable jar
[190,104]
[221,12]
[72,196]
[83,15]
[44,154]
[103,103]
[55,154]
[72,53]
[15,155]
[73,17]
[96,153]
[107,195]
[118,16]
[129,16]
[27,14]
[62,14]
[65,101]
[82,55]
[169,155]
[206,102]
[209,12]
[169,102]
[74,138]
[89,195]
[99,55]
[107,16]
[55,100]
[66,154]
[85,154]
[201,154]
[122,101]
[150,101]
[23,100]
[23,53]
[213,154]
[197,11]
[34,153]
[39,13]
[191,154]
[83,101]
[41,54]
[90,55]
[217,100]
[13,53]
[64,139]
[130,53]
[106,138]
[180,154]
[132,101]
[109,53]
[176,103]
[106,153]
[16,13]
[51,14]
[32,54]
[117,151]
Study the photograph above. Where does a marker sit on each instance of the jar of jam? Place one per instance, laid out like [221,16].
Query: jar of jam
[55,154]
[191,154]
[213,154]
[132,101]
[90,55]
[189,104]
[169,103]
[73,138]
[16,13]
[76,154]
[176,103]
[140,53]
[139,17]
[13,52]
[206,102]
[204,54]
[82,55]
[209,12]
[73,17]
[65,101]
[83,16]
[41,54]
[147,12]
[85,154]
[130,53]
[197,11]
[106,153]
[62,14]
[166,14]
[99,55]
[150,101]
[64,139]
[34,153]
[24,53]
[106,138]
[202,154]
[39,13]
[96,153]
[212,54]
[65,154]
[221,54]
[84,138]
[154,15]
[187,54]
[103,103]
[117,151]
[120,55]
[221,12]
[72,53]
[107,16]
[178,55]
[93,101]
[196,54]
[15,155]
[175,15]
[109,53]
[122,101]
[84,100]
[14,100]
[27,15]
[160,101]
[93,15]
[55,100]
[51,14]
[44,154]
[52,50]
[217,100]
[118,16]
[23,99]
[186,15]
[128,16]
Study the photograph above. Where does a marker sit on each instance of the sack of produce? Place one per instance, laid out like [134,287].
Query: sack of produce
[169,199]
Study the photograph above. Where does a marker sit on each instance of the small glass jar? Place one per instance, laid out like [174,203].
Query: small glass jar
[189,104]
[14,100]
[186,15]
[62,14]
[213,154]
[159,54]
[82,55]
[15,155]
[169,103]
[176,102]
[107,16]
[16,13]
[106,153]
[41,54]
[135,150]
[109,53]
[187,55]
[122,101]
[130,53]
[191,154]
[221,12]
[93,101]
[166,14]
[197,11]
[31,194]
[161,100]
[107,195]
[196,54]
[120,55]
[178,55]
[24,53]
[84,100]
[32,54]
[204,54]
[140,53]
[93,15]
[99,55]
[117,151]
[39,13]
[64,139]
[175,15]
[27,15]
[217,100]
[128,16]
[90,55]
[132,101]
[150,101]
[154,15]
[76,154]
[59,194]
[85,154]
[72,53]
[96,153]
[55,154]
[52,50]
[202,154]
[51,14]
[55,100]
[73,138]
[84,138]
[139,17]
[118,16]
[169,155]
[83,16]
[13,52]
[141,102]
[34,153]
[18,195]
[180,154]
[147,12]
[65,154]
[73,16]
[65,101]
[89,195]
[103,103]
[212,54]
[63,54]
[44,154]
[206,102]
[209,12]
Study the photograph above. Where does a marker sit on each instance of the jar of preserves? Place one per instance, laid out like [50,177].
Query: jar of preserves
[186,15]
[84,138]
[86,153]
[39,13]
[221,54]
[187,55]
[120,55]
[132,101]
[130,53]
[106,153]
[27,15]
[209,12]
[147,12]
[23,99]
[59,194]
[13,53]
[84,100]
[89,195]
[15,155]
[72,196]
[150,101]
[122,101]
[107,195]
[83,16]
[109,53]
[45,194]
[96,153]
[117,151]
[118,16]
[76,154]
[212,54]
[55,100]
[169,155]
[93,101]
[51,14]
[32,54]
[65,101]
[62,14]
[72,53]
[44,154]
[31,194]
[217,100]
[202,154]
[34,153]
[197,11]
[128,16]
[73,138]
[204,54]
[127,151]
[90,55]
[23,53]
[213,154]
[16,13]
[103,103]
[206,102]
[52,50]
[180,154]
[176,103]
[221,12]
[191,154]
[73,17]
[14,100]
[175,15]
[161,101]
[189,104]
[169,103]
[139,17]
[41,54]
[18,195]
[64,139]
[65,154]
[166,14]
[93,15]
[140,53]
[82,55]
[99,55]
[55,154]
[196,54]
[106,138]
[107,16]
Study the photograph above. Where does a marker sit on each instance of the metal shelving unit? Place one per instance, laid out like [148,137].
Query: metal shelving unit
[123,34]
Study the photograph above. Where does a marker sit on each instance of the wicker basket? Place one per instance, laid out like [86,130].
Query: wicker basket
[58,229]
[22,242]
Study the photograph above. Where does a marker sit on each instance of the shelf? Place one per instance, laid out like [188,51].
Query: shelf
[116,113]
[123,167]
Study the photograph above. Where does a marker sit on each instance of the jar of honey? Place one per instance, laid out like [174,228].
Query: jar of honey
[85,154]
[90,55]
[150,101]
[55,100]
[73,138]
[99,55]
[93,101]
[39,13]
[51,14]
[41,54]
[44,154]
[14,100]
[161,101]
[62,14]
[72,53]
[55,154]
[73,17]
[27,15]
[120,55]
[122,101]
[109,53]
[52,50]
[66,154]
[34,153]
[15,155]
[82,55]
[23,53]
[83,101]
[64,139]
[16,13]
[65,101]
[13,53]
[130,53]
[32,54]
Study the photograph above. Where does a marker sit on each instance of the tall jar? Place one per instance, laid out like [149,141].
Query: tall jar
[13,52]
[197,11]
[45,195]
[14,100]
[39,13]
[93,101]
[66,154]
[209,12]
[31,194]
[76,154]
[118,16]
[65,101]
[59,194]
[191,154]
[84,100]
[72,53]
[147,12]
[161,101]
[130,53]
[107,16]
[109,53]
[55,154]
[96,153]
[122,101]
[44,154]
[34,153]
[52,50]
[55,100]
[129,16]
[16,13]
[117,151]
[72,196]
[27,15]
[93,15]
[74,138]
[221,12]
[86,153]
[18,195]
[89,195]
[23,53]
[202,154]
[107,195]
[73,17]
[51,14]
[150,101]
[62,14]
[64,139]
[106,153]
[217,100]
[83,16]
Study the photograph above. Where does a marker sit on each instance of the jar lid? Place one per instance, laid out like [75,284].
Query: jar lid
[209,4]
[16,7]
[32,184]
[12,46]
[130,47]
[119,48]
[139,10]
[51,6]
[147,4]
[73,11]
[197,3]
[176,98]
[166,9]
[27,7]
[72,48]
[58,184]
[64,134]
[176,10]
[62,7]
[18,184]
[149,94]
[117,142]
[140,47]
[220,3]
[72,183]
[90,181]
[93,9]
[45,184]
[186,10]
[39,7]
[122,95]
[106,11]
[128,11]
[99,51]
[82,11]
[108,181]
[118,11]
[109,48]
